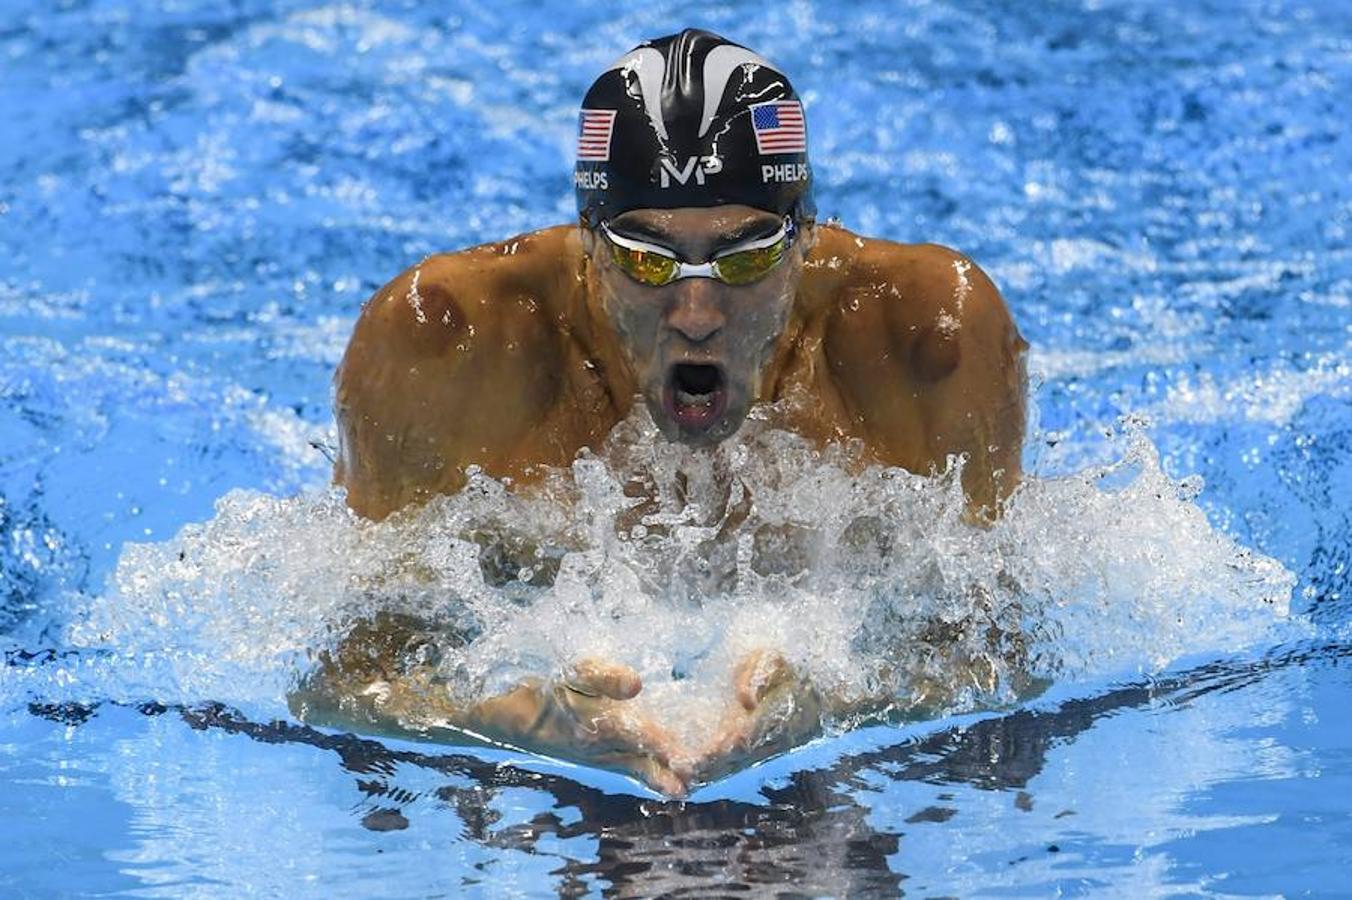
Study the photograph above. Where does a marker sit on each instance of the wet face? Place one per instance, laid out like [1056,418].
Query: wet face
[697,346]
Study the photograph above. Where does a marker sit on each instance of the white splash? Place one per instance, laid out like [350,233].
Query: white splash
[676,562]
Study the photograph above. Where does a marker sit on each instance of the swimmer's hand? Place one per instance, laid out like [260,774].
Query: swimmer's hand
[588,715]
[773,709]
[382,677]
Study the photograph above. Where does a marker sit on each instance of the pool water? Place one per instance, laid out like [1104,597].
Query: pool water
[196,198]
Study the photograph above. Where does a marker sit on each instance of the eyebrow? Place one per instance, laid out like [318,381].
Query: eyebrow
[642,231]
[746,231]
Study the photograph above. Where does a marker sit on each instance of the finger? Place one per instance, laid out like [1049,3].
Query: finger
[631,729]
[662,779]
[606,679]
[757,674]
[649,755]
[729,737]
[788,714]
[724,753]
[660,743]
[683,766]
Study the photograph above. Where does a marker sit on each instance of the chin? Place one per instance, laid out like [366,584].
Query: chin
[709,437]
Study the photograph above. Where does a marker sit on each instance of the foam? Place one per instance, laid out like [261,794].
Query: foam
[677,562]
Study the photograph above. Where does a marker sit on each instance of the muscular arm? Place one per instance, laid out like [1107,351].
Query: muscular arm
[462,360]
[922,360]
[928,363]
[475,358]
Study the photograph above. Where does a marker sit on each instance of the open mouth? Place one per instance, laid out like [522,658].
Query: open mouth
[695,395]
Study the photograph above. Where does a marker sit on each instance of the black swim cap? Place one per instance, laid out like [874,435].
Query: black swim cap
[691,119]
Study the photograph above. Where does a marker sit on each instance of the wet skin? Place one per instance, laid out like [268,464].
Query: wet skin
[515,355]
[697,323]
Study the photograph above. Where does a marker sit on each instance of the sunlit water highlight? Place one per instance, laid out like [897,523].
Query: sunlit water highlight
[196,198]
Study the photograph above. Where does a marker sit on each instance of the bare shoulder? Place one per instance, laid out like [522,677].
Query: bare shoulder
[918,283]
[450,298]
[921,303]
[452,364]
[925,358]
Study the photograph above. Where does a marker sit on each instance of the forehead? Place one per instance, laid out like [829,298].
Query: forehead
[698,224]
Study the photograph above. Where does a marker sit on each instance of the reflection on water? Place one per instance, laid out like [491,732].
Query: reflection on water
[204,192]
[847,569]
[812,832]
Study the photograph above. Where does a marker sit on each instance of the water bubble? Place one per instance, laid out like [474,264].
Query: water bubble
[867,579]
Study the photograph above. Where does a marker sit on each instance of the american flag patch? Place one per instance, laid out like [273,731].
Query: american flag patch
[779,127]
[593,134]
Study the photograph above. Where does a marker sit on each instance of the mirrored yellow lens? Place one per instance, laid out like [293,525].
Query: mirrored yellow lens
[643,266]
[747,266]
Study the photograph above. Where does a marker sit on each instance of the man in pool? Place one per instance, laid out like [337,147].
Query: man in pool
[698,280]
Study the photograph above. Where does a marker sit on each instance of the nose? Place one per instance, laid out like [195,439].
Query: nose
[696,313]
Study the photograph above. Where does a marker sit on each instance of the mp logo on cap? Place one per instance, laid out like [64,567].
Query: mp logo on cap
[699,166]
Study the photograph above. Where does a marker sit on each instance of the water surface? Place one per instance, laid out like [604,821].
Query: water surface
[196,199]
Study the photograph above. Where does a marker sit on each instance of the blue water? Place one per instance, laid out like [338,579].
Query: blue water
[195,198]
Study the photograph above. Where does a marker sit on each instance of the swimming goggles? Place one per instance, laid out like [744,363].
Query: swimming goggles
[655,266]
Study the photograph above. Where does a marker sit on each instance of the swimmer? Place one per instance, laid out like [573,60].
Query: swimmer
[698,282]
